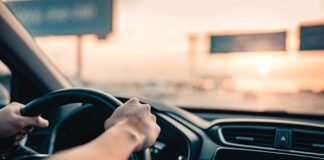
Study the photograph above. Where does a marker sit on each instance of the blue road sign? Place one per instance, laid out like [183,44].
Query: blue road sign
[257,42]
[312,37]
[64,17]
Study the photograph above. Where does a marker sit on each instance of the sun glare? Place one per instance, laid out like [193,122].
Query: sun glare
[263,68]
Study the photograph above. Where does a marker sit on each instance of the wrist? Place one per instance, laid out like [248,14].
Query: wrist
[121,139]
[128,132]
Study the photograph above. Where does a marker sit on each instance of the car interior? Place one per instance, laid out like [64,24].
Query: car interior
[77,114]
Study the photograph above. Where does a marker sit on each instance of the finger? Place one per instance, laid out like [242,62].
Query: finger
[147,107]
[158,130]
[15,107]
[16,143]
[133,100]
[19,137]
[30,129]
[34,121]
[153,117]
[26,130]
[19,105]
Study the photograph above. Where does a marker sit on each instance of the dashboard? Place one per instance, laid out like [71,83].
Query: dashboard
[194,135]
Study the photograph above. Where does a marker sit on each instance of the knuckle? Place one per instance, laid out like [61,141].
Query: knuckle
[13,104]
[158,128]
[38,121]
[153,117]
[147,107]
[133,100]
[16,105]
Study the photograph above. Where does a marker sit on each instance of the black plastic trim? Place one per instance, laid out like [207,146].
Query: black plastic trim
[216,129]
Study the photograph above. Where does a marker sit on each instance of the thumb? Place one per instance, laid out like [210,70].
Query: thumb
[37,121]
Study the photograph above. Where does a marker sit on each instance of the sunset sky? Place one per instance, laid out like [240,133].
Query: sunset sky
[150,42]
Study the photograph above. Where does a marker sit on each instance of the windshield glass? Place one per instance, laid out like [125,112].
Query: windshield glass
[224,54]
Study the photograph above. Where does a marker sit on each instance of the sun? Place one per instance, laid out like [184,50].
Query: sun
[263,68]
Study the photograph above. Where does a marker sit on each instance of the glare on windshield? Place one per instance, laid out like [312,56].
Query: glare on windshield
[228,54]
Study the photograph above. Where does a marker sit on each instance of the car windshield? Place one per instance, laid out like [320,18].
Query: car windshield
[253,55]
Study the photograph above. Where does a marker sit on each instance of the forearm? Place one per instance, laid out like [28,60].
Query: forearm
[116,144]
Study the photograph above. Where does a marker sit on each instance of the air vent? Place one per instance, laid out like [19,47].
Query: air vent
[255,136]
[308,141]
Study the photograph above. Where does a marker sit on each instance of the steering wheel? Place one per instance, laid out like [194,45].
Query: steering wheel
[75,95]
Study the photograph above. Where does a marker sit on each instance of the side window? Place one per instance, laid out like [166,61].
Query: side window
[5,82]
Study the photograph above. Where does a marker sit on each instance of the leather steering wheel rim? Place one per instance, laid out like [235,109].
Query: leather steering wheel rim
[58,98]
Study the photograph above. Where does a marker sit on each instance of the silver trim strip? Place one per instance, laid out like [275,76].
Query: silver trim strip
[257,120]
[318,145]
[244,138]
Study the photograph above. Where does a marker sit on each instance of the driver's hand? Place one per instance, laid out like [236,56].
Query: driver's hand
[139,118]
[13,124]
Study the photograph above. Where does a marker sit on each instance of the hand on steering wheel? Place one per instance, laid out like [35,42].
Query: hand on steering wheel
[137,116]
[15,126]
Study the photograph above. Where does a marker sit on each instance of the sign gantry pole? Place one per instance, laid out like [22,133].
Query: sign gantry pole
[192,56]
[79,57]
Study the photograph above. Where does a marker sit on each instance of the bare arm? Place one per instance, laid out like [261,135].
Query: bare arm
[131,128]
[116,144]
